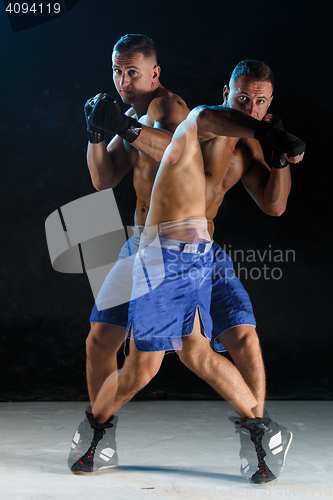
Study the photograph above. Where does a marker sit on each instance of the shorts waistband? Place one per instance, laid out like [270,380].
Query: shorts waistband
[190,222]
[186,246]
[177,245]
[191,229]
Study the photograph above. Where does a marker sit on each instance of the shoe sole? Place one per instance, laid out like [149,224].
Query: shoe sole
[97,471]
[264,485]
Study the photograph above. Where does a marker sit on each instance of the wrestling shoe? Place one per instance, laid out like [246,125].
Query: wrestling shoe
[257,428]
[93,446]
[247,453]
[276,443]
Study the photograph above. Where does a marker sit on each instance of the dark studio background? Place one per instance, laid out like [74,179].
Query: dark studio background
[49,71]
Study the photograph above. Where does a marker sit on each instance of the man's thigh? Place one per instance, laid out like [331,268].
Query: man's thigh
[142,363]
[108,338]
[230,303]
[237,335]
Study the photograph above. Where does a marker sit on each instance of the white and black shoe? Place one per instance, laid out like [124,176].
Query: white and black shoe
[94,445]
[257,428]
[247,453]
[276,441]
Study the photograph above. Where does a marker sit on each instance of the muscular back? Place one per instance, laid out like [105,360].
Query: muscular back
[179,189]
[226,159]
[165,112]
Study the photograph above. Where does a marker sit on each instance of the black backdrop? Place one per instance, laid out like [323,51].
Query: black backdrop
[49,71]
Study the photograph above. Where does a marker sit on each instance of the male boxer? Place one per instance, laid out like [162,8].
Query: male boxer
[243,158]
[136,77]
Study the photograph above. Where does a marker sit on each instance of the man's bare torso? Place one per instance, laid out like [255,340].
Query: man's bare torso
[144,167]
[226,160]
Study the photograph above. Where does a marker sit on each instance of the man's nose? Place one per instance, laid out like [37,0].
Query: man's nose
[251,109]
[124,81]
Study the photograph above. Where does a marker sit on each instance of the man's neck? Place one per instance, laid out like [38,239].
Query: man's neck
[141,107]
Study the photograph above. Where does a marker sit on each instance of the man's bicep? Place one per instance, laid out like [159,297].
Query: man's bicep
[255,178]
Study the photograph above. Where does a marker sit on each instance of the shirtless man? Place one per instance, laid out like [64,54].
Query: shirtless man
[194,350]
[136,77]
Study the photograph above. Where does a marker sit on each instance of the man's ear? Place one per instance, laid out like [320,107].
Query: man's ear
[156,72]
[226,92]
[270,102]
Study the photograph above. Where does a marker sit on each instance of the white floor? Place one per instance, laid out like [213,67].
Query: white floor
[167,450]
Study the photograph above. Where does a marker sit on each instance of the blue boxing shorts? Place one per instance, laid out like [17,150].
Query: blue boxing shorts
[112,302]
[172,279]
[230,303]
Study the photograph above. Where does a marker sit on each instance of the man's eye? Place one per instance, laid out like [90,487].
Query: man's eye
[117,71]
[261,101]
[132,72]
[242,98]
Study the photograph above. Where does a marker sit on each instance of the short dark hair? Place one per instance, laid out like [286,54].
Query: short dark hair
[253,70]
[136,43]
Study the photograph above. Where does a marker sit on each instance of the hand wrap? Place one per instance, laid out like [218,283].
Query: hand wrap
[279,139]
[279,160]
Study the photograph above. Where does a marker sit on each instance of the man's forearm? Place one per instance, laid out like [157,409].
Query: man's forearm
[100,166]
[152,142]
[277,191]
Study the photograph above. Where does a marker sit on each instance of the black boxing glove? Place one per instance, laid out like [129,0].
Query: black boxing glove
[280,140]
[279,160]
[95,135]
[107,115]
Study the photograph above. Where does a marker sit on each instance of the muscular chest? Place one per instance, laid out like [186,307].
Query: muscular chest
[224,164]
[144,170]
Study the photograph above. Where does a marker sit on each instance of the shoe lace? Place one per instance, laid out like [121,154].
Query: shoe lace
[98,434]
[256,438]
[262,470]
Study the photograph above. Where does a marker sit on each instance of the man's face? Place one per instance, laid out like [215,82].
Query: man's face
[251,97]
[134,75]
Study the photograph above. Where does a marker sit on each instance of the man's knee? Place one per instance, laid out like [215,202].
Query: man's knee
[140,367]
[188,358]
[139,378]
[196,357]
[104,340]
[243,339]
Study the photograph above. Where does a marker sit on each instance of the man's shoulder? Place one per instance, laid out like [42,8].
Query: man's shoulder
[167,110]
[164,99]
